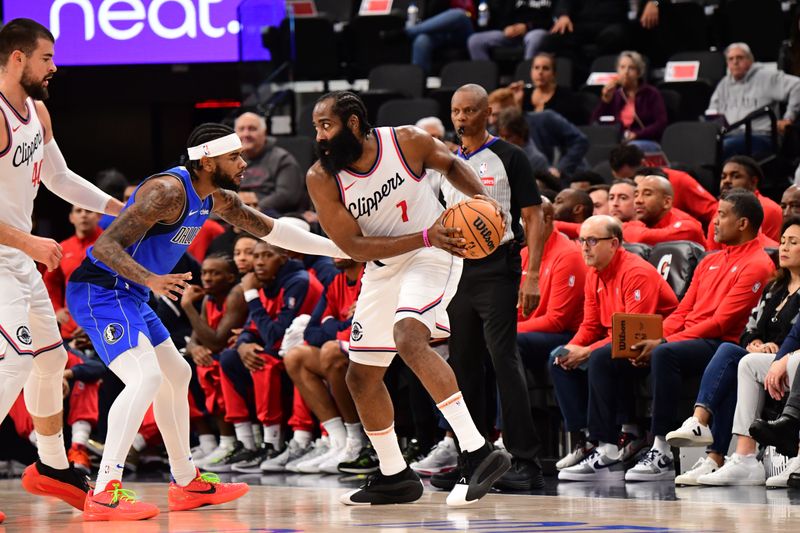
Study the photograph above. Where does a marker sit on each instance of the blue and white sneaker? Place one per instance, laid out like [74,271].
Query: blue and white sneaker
[654,466]
[595,467]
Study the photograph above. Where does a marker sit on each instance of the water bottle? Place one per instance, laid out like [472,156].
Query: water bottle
[412,15]
[483,14]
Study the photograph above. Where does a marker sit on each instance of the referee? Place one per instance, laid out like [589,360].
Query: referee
[483,313]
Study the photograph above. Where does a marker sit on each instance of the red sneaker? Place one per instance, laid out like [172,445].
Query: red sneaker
[205,489]
[78,455]
[68,485]
[116,503]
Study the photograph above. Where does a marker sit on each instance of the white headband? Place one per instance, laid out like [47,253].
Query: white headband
[220,146]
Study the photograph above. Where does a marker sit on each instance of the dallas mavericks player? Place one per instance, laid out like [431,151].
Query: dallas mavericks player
[107,297]
[369,191]
[31,350]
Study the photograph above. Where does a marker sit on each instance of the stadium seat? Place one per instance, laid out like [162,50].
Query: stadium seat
[313,53]
[598,153]
[364,47]
[563,71]
[712,64]
[303,125]
[601,135]
[335,10]
[695,96]
[638,248]
[672,102]
[682,26]
[391,82]
[302,148]
[759,23]
[693,144]
[458,73]
[676,261]
[402,112]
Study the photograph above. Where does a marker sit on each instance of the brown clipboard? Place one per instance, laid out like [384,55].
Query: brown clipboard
[628,329]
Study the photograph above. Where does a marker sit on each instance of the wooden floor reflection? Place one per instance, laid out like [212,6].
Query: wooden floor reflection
[576,508]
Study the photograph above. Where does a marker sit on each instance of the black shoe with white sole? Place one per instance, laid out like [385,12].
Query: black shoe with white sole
[403,487]
[479,470]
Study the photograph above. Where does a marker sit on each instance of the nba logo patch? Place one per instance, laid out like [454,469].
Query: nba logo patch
[113,333]
[571,281]
[482,169]
[756,287]
[637,295]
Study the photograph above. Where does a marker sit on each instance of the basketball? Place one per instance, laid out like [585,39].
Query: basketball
[480,224]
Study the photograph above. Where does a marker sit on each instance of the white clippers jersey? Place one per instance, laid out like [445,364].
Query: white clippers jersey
[20,164]
[389,200]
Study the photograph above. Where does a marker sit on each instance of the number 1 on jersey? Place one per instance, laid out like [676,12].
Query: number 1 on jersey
[404,208]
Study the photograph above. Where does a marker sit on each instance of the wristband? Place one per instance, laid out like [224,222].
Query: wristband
[425,238]
[250,295]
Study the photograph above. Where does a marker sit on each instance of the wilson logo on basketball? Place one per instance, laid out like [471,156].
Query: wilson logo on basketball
[484,232]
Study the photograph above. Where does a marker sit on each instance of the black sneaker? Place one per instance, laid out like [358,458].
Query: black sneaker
[69,485]
[414,451]
[365,463]
[252,464]
[237,454]
[446,480]
[479,470]
[781,433]
[523,475]
[403,487]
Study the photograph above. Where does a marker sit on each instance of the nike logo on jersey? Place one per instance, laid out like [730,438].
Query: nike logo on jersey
[346,188]
[15,129]
[713,267]
[193,212]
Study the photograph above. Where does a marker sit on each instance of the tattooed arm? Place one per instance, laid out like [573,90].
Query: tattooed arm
[229,206]
[160,199]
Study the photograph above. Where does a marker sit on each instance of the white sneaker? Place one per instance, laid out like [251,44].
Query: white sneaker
[654,466]
[441,459]
[216,454]
[581,451]
[737,470]
[595,467]
[292,451]
[198,453]
[499,444]
[704,465]
[691,434]
[320,447]
[330,464]
[782,479]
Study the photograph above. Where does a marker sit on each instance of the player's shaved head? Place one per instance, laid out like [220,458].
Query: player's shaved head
[657,182]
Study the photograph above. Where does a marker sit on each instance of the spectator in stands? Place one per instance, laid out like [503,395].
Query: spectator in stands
[690,196]
[512,127]
[742,172]
[243,253]
[585,179]
[222,310]
[556,319]
[514,23]
[573,205]
[82,374]
[636,105]
[617,282]
[277,291]
[656,220]
[549,131]
[790,202]
[724,288]
[620,200]
[73,249]
[272,172]
[585,29]
[770,323]
[318,369]
[547,94]
[599,196]
[749,86]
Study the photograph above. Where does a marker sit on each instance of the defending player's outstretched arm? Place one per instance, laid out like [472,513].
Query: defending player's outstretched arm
[229,206]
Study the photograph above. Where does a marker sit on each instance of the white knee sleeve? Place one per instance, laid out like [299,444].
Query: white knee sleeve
[14,371]
[43,390]
[174,367]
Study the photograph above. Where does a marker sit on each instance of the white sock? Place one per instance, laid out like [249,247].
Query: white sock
[258,435]
[52,451]
[32,437]
[633,429]
[388,450]
[457,415]
[336,431]
[355,431]
[108,472]
[139,443]
[80,432]
[227,441]
[272,435]
[302,437]
[207,442]
[449,441]
[660,444]
[749,458]
[244,434]
[608,449]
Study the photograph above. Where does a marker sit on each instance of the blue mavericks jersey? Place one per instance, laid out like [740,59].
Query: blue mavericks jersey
[163,245]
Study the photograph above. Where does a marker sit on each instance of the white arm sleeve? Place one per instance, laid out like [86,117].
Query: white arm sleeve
[290,237]
[68,185]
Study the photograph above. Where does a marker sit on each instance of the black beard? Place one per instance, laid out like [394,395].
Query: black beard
[343,150]
[34,89]
[223,181]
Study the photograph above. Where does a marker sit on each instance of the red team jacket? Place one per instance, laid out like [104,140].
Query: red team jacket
[771,227]
[691,197]
[340,297]
[672,227]
[724,289]
[562,275]
[629,284]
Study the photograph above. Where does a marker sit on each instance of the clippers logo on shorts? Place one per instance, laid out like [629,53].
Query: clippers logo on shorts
[24,335]
[186,235]
[357,332]
[113,333]
[365,206]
